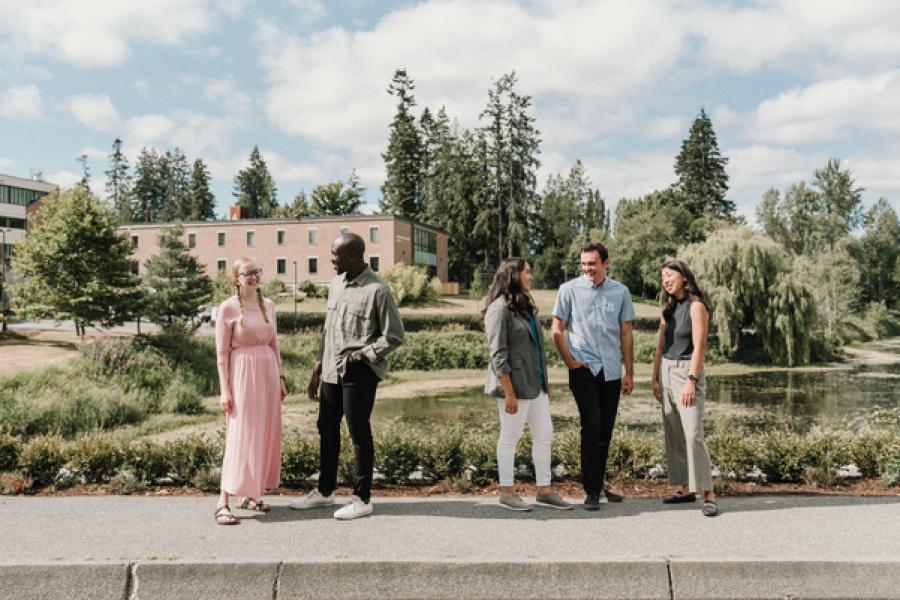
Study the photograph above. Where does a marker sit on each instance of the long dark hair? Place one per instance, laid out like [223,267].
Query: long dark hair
[507,283]
[691,289]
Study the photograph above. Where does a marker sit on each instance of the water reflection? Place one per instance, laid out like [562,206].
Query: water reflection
[825,397]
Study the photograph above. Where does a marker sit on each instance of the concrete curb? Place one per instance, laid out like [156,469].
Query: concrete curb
[404,580]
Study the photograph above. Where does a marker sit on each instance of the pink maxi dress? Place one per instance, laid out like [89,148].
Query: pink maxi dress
[252,461]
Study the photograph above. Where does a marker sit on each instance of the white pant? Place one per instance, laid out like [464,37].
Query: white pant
[537,414]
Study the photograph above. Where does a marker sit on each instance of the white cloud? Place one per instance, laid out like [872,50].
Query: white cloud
[283,169]
[228,94]
[310,11]
[148,128]
[21,102]
[666,127]
[6,163]
[799,34]
[330,86]
[64,178]
[98,33]
[879,176]
[631,177]
[94,111]
[830,110]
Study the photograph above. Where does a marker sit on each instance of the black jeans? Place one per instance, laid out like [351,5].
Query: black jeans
[354,396]
[598,402]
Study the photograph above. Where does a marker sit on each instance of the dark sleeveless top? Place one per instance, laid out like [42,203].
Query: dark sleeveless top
[679,345]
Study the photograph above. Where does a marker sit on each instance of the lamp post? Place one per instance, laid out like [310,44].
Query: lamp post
[295,292]
[3,283]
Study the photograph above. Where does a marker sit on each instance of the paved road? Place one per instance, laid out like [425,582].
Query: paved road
[148,547]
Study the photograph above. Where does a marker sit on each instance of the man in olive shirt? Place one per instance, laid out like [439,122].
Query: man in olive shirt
[362,326]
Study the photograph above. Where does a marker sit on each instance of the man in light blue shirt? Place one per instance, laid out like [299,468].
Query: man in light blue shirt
[592,331]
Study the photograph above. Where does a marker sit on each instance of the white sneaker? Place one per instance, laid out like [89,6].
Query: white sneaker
[355,509]
[312,500]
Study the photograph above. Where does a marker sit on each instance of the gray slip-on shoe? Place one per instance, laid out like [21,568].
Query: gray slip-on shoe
[514,502]
[552,500]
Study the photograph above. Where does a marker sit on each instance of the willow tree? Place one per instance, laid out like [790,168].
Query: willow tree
[751,286]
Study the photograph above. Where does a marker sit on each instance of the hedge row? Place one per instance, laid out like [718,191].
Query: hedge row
[289,322]
[447,452]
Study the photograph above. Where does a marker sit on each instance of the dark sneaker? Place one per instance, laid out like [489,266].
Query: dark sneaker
[592,502]
[607,496]
[710,508]
[552,500]
[679,498]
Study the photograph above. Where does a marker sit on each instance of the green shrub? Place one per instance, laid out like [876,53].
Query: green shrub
[188,456]
[299,460]
[632,453]
[182,397]
[15,482]
[147,461]
[272,288]
[410,284]
[890,473]
[10,446]
[398,451]
[427,350]
[41,458]
[96,456]
[566,450]
[443,456]
[481,454]
[132,362]
[312,290]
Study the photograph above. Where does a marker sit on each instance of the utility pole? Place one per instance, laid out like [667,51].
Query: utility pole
[3,283]
[295,293]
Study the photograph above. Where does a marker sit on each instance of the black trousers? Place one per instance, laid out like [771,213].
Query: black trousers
[598,402]
[353,396]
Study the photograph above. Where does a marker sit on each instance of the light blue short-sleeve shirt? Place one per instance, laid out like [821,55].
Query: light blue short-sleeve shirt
[594,315]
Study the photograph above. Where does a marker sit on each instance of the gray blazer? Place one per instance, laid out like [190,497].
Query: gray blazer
[513,351]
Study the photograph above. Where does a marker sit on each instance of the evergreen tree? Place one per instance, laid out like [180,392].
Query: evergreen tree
[254,187]
[596,215]
[148,194]
[839,201]
[75,266]
[403,159]
[701,172]
[176,282]
[118,183]
[336,199]
[202,200]
[879,255]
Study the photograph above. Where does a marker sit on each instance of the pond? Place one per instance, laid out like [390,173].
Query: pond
[827,397]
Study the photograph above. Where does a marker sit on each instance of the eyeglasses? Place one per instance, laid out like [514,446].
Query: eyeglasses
[253,273]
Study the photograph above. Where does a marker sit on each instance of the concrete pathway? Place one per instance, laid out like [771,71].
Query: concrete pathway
[450,547]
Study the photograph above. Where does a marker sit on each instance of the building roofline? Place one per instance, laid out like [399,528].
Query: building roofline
[277,220]
[28,184]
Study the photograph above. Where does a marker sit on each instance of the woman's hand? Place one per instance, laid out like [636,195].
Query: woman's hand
[283,390]
[512,406]
[226,403]
[688,393]
[657,390]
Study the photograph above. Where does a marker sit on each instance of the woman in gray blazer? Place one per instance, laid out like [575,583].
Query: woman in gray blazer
[517,377]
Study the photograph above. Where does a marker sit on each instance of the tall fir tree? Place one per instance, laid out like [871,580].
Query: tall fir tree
[840,200]
[700,167]
[254,187]
[176,282]
[175,179]
[202,200]
[148,193]
[403,159]
[118,183]
[298,208]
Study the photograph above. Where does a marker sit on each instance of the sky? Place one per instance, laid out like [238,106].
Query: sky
[787,85]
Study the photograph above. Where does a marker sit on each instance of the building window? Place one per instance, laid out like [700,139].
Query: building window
[221,265]
[221,238]
[373,263]
[192,240]
[280,236]
[426,249]
[134,241]
[373,234]
[251,238]
[345,230]
[135,267]
[281,266]
[313,265]
[312,236]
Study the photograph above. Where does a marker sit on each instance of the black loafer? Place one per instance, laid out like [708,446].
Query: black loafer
[679,498]
[592,502]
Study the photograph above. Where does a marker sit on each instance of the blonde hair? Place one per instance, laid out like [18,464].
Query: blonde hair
[235,273]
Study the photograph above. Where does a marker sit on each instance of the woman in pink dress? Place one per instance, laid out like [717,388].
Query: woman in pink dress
[252,388]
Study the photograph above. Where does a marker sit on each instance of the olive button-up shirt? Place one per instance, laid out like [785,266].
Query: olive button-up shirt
[361,316]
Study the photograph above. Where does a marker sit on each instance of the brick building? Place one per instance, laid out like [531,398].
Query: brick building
[18,199]
[276,243]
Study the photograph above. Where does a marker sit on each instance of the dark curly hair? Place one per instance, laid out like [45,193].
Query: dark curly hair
[691,289]
[507,283]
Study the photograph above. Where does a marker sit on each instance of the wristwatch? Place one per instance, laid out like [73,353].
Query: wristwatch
[693,378]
